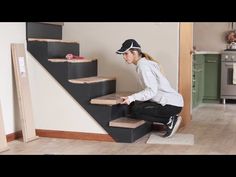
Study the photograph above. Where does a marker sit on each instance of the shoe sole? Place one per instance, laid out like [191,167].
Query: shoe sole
[176,127]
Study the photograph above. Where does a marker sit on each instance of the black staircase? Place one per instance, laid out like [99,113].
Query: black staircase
[52,47]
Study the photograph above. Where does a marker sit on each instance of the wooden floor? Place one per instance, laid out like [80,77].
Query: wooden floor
[213,127]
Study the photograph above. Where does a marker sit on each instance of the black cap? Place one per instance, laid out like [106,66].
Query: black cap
[127,45]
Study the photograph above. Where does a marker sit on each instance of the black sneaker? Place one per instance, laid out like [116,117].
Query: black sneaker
[172,126]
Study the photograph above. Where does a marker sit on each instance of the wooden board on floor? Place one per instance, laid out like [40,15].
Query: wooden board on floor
[23,92]
[125,122]
[3,139]
[110,99]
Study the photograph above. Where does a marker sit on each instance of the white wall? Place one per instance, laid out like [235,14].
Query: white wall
[53,108]
[209,36]
[9,33]
[101,40]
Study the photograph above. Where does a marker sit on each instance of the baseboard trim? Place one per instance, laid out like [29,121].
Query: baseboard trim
[64,134]
[14,136]
[73,135]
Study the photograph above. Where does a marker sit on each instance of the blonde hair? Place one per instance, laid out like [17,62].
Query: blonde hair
[148,57]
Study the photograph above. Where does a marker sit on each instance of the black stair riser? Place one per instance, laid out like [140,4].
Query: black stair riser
[80,70]
[57,70]
[141,131]
[61,49]
[119,110]
[121,134]
[129,135]
[102,88]
[44,31]
[52,49]
[39,51]
[104,113]
[101,113]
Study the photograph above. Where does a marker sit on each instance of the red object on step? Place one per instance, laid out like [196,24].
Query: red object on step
[74,57]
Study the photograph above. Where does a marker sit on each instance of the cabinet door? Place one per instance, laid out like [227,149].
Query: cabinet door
[198,79]
[200,73]
[194,90]
[212,77]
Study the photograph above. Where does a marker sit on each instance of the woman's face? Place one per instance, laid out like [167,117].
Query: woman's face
[129,57]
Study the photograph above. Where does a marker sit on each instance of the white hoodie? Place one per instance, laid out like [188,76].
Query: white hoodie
[155,86]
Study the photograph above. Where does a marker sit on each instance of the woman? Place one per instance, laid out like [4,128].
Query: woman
[158,101]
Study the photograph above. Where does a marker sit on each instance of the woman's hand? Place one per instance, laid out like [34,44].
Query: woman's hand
[125,100]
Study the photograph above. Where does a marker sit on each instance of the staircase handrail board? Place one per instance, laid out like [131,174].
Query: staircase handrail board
[125,122]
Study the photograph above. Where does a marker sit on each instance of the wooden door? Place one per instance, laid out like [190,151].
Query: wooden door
[185,69]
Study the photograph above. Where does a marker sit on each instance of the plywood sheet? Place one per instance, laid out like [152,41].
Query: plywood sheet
[23,92]
[3,140]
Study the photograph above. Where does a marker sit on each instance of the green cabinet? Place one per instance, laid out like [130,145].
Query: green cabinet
[197,79]
[206,78]
[212,78]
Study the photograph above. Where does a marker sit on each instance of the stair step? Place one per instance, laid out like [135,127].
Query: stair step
[110,99]
[88,80]
[51,40]
[125,122]
[56,60]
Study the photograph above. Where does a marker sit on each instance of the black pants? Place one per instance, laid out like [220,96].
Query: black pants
[152,111]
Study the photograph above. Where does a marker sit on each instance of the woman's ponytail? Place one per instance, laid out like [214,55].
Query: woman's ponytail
[148,57]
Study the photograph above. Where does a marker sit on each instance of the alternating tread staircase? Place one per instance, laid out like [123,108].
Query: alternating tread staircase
[97,94]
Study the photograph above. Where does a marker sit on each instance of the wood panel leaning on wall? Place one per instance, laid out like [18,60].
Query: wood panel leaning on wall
[23,92]
[3,140]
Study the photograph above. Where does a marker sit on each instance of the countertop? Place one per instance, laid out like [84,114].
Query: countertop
[207,52]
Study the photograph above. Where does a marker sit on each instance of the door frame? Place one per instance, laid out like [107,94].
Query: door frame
[185,69]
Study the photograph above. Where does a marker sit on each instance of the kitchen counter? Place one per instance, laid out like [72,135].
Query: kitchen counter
[207,52]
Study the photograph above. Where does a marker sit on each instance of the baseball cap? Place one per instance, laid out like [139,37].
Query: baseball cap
[127,45]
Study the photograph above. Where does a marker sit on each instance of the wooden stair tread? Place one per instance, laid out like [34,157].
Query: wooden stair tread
[57,60]
[125,122]
[50,40]
[88,80]
[81,60]
[54,23]
[110,99]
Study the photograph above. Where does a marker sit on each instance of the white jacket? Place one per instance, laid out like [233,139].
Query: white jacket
[155,86]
